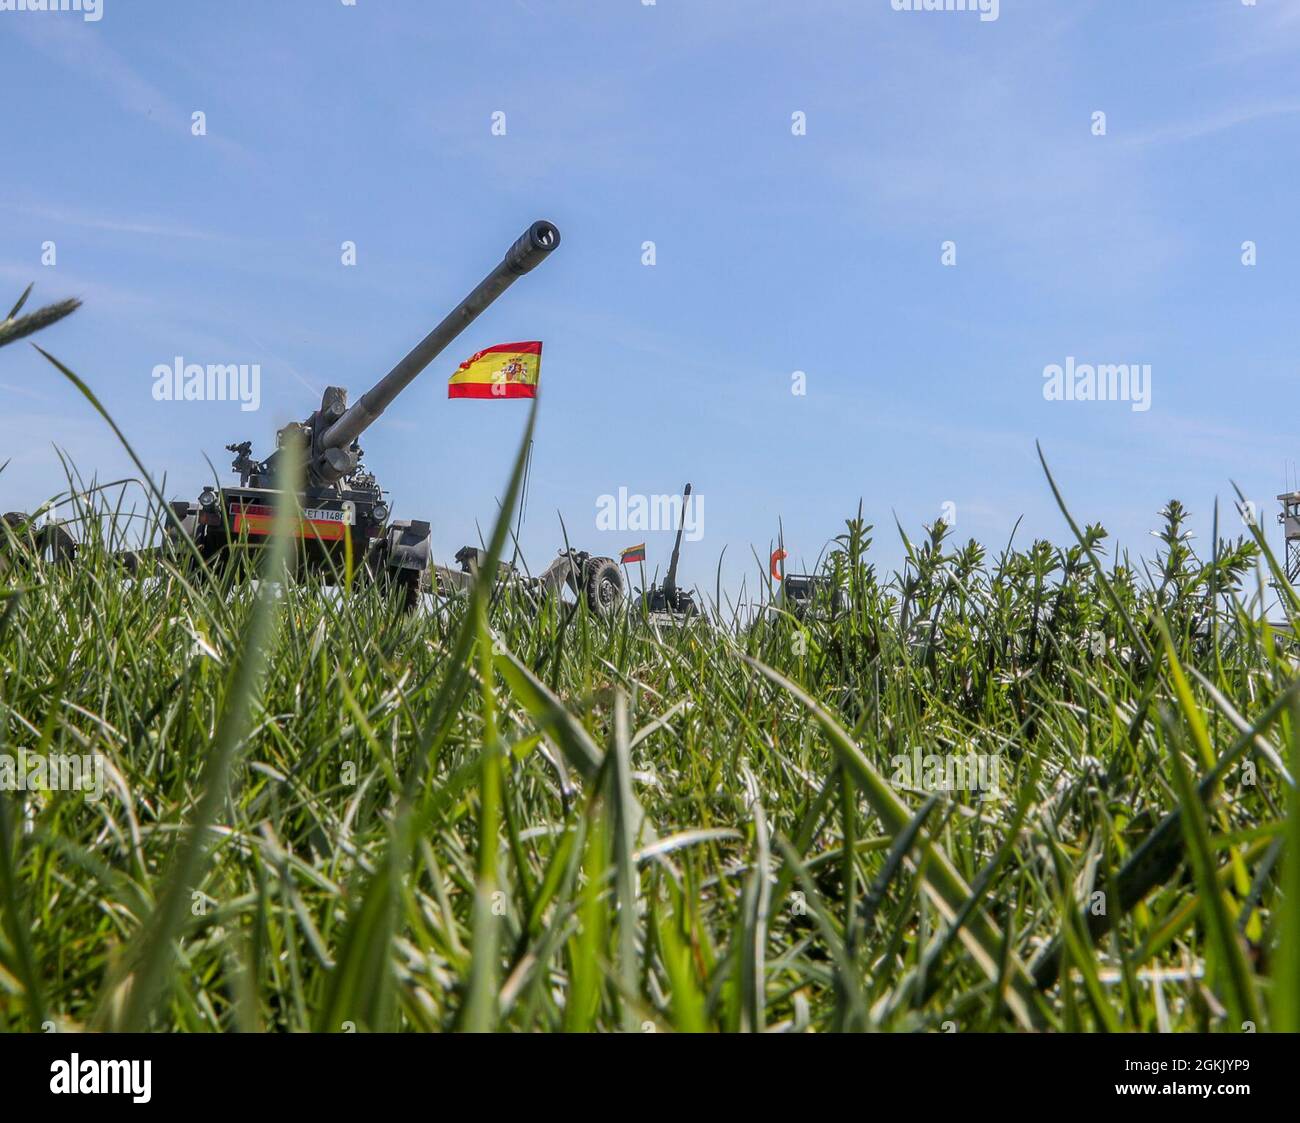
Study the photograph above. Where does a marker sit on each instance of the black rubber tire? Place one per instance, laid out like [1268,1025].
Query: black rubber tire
[60,546]
[408,583]
[602,583]
[52,543]
[11,555]
[15,519]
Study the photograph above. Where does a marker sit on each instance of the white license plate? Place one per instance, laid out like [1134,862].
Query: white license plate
[321,514]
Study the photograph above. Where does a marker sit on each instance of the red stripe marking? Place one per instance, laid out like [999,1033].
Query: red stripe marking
[490,390]
[533,348]
[307,528]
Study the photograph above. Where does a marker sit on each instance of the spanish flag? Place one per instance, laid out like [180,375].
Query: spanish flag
[508,370]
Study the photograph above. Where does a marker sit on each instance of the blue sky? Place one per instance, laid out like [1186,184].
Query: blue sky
[776,253]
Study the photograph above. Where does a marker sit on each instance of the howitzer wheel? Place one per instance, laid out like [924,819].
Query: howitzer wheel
[603,585]
[407,582]
[29,542]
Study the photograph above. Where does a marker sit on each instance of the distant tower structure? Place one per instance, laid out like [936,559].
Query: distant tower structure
[1290,520]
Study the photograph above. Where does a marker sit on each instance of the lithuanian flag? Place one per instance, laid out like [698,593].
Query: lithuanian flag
[632,554]
[508,370]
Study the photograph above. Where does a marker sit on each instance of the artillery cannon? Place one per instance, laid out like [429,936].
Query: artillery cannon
[343,512]
[597,580]
[670,599]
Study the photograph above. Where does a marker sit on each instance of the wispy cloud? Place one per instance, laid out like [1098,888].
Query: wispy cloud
[82,47]
[1217,122]
[115,224]
[22,391]
[85,50]
[1251,33]
[101,295]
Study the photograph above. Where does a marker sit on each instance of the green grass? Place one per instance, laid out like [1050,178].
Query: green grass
[324,815]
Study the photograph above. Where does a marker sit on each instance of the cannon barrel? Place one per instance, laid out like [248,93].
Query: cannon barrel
[670,581]
[531,248]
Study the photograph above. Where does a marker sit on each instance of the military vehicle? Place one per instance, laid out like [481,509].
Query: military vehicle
[669,599]
[597,580]
[344,514]
[812,595]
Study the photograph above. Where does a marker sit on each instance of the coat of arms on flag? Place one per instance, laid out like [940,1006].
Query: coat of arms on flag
[508,370]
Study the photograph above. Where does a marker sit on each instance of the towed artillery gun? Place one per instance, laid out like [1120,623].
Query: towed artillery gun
[596,580]
[669,599]
[342,509]
[342,512]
